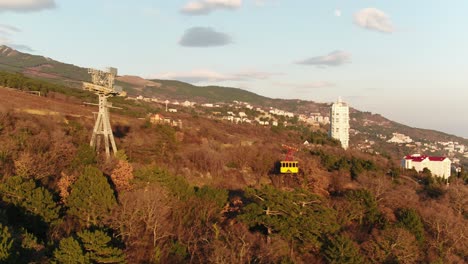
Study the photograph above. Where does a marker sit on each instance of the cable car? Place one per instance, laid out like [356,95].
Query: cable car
[289,165]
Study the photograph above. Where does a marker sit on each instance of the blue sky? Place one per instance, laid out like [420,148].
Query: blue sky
[407,60]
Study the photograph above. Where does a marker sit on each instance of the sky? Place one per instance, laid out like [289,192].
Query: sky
[405,60]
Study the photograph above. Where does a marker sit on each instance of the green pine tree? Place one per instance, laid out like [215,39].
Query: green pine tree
[409,219]
[341,249]
[70,251]
[6,244]
[298,216]
[91,197]
[97,247]
[35,200]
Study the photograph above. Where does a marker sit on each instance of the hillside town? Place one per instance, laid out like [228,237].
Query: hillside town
[243,113]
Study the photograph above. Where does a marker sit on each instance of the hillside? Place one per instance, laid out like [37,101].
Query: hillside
[208,192]
[368,126]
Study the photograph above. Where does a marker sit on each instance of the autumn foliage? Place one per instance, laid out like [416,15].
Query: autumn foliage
[209,193]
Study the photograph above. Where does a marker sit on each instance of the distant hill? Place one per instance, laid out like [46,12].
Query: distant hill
[41,67]
[369,126]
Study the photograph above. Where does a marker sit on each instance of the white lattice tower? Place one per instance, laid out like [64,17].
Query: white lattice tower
[103,85]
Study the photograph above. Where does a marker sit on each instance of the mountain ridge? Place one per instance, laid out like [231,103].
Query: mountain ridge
[42,67]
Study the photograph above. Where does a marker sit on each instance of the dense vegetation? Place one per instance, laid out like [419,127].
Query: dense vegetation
[209,193]
[201,202]
[21,82]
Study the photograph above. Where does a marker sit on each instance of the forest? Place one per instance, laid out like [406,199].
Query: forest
[209,193]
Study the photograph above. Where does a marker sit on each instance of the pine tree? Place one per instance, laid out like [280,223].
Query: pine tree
[409,219]
[97,247]
[341,249]
[6,244]
[91,197]
[298,216]
[70,251]
[35,200]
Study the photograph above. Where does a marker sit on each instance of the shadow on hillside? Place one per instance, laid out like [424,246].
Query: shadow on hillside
[120,131]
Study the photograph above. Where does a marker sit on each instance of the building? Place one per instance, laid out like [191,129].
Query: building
[439,166]
[188,104]
[157,119]
[339,122]
[400,139]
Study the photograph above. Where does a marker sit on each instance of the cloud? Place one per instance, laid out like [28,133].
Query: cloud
[194,76]
[374,19]
[5,33]
[26,5]
[337,12]
[21,47]
[204,37]
[7,42]
[306,86]
[8,30]
[258,75]
[335,58]
[204,7]
[203,76]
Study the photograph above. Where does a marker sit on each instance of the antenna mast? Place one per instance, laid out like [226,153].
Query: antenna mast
[103,86]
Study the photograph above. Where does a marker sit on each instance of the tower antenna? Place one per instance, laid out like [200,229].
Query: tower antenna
[103,86]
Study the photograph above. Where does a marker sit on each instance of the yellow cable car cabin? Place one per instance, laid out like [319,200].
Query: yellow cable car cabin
[289,167]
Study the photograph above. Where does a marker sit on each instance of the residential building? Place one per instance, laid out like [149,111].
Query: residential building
[339,125]
[400,139]
[439,166]
[157,119]
[188,104]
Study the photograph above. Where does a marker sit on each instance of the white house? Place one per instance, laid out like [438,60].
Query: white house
[172,110]
[157,119]
[400,138]
[188,104]
[439,166]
